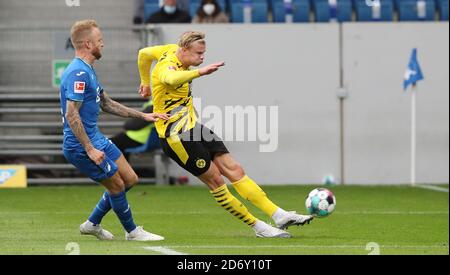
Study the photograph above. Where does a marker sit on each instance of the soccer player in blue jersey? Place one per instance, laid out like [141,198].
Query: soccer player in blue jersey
[86,147]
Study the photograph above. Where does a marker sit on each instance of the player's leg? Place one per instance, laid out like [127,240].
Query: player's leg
[126,173]
[119,203]
[219,190]
[249,190]
[107,173]
[92,226]
[195,158]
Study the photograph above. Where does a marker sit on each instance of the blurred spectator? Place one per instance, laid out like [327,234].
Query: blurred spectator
[209,11]
[169,13]
[138,12]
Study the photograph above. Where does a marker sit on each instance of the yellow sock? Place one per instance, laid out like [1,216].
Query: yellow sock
[229,202]
[249,190]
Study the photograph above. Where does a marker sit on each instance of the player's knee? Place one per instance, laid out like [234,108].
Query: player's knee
[238,170]
[233,171]
[213,178]
[133,180]
[217,179]
[116,187]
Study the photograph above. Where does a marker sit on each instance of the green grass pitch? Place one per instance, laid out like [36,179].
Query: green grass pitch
[384,219]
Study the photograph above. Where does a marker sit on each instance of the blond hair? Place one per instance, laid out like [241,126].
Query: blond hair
[80,30]
[189,38]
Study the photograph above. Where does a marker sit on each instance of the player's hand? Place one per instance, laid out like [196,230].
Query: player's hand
[145,91]
[155,117]
[210,68]
[96,156]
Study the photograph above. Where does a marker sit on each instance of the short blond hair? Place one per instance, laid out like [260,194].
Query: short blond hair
[80,30]
[189,38]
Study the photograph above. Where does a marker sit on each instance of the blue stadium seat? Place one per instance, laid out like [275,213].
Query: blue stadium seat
[324,13]
[442,7]
[260,11]
[365,13]
[150,7]
[300,10]
[408,10]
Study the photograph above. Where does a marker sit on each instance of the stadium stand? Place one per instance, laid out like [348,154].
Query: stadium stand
[299,9]
[50,12]
[259,11]
[30,134]
[332,10]
[411,10]
[328,10]
[442,7]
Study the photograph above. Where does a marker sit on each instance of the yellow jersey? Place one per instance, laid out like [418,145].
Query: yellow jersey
[171,89]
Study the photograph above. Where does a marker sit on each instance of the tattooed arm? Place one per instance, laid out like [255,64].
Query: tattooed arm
[110,106]
[74,121]
[113,107]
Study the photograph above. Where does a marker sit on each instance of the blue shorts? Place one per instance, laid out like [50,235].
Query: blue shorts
[98,173]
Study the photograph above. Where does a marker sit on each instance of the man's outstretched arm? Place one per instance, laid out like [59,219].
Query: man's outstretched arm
[113,107]
[172,77]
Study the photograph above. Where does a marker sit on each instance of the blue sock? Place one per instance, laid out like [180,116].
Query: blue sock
[102,208]
[119,204]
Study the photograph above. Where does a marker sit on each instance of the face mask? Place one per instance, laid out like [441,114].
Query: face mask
[170,9]
[209,8]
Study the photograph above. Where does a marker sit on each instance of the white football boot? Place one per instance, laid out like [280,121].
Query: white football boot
[292,218]
[264,230]
[139,234]
[88,228]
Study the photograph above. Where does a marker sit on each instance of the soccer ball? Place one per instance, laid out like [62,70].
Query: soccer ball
[320,202]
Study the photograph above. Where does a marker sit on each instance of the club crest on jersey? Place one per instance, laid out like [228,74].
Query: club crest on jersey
[201,163]
[79,87]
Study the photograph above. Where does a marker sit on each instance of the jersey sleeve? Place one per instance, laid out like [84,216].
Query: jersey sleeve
[170,76]
[147,56]
[77,85]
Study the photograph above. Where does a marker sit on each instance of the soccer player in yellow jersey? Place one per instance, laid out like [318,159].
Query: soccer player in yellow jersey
[195,147]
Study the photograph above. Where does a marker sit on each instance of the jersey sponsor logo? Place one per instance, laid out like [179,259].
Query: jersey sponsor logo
[79,87]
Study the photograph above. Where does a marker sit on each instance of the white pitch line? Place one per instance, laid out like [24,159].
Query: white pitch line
[289,246]
[163,250]
[211,213]
[434,188]
[392,212]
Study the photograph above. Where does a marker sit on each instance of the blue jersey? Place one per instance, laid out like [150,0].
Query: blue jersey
[79,83]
